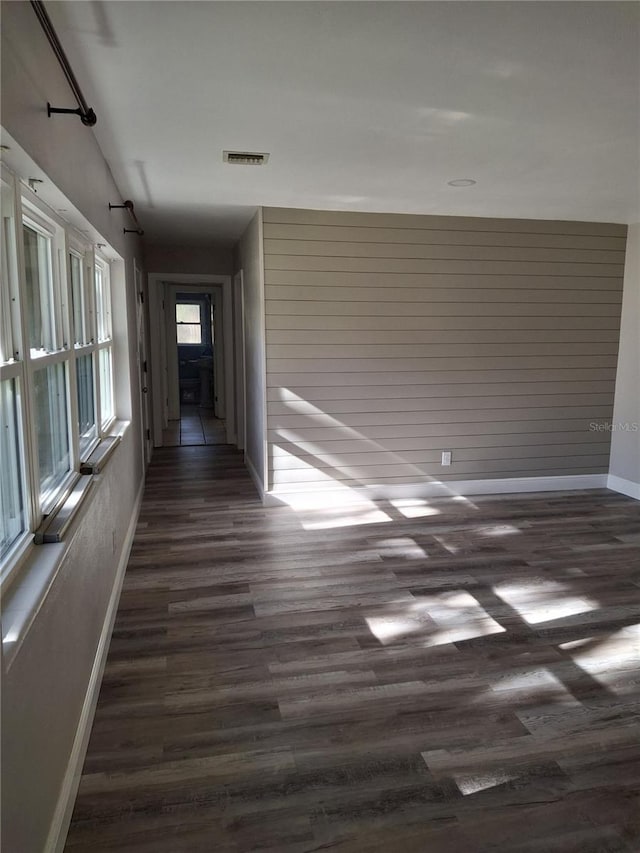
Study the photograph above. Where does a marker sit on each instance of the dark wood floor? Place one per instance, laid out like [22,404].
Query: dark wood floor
[455,676]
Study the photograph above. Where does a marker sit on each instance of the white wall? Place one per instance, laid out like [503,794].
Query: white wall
[250,259]
[44,689]
[624,470]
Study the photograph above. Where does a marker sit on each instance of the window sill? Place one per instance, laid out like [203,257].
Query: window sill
[96,461]
[31,582]
[54,526]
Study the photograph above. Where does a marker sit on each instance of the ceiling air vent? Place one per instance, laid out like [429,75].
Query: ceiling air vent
[245,158]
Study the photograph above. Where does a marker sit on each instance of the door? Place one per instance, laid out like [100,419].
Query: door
[238,339]
[143,370]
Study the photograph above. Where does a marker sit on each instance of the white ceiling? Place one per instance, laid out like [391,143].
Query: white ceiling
[362,106]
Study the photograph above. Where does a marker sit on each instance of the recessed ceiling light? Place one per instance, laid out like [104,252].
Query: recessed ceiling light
[462,182]
[245,158]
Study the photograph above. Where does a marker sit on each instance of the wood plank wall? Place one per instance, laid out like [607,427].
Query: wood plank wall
[250,256]
[391,338]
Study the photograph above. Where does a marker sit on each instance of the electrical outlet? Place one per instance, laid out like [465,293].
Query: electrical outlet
[446,457]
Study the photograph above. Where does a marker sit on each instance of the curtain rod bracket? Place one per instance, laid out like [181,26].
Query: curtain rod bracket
[128,205]
[88,117]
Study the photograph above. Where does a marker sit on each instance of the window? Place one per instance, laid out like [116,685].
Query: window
[9,316]
[12,507]
[49,359]
[86,403]
[105,342]
[106,386]
[103,301]
[52,430]
[83,335]
[79,301]
[189,323]
[38,272]
[56,362]
[14,519]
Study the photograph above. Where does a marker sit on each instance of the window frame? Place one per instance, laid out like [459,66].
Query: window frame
[105,343]
[13,366]
[19,362]
[33,219]
[180,323]
[87,347]
[33,216]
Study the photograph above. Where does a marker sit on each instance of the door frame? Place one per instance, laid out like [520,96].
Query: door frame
[160,286]
[239,358]
[143,367]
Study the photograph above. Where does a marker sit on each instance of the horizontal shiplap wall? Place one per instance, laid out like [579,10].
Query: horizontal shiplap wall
[250,254]
[391,338]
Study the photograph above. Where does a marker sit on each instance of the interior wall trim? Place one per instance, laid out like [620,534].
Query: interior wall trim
[251,468]
[68,790]
[624,486]
[451,488]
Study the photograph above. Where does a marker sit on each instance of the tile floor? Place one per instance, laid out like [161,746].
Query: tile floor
[197,425]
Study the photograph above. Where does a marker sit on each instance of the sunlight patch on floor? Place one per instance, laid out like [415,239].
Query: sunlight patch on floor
[401,546]
[498,530]
[392,628]
[414,508]
[610,659]
[472,784]
[458,616]
[340,507]
[439,619]
[576,644]
[542,600]
[352,516]
[447,544]
[538,682]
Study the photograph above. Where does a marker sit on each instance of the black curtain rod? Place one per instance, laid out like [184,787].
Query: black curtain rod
[87,115]
[128,205]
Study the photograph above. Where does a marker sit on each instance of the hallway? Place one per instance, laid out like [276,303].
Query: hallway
[197,425]
[458,675]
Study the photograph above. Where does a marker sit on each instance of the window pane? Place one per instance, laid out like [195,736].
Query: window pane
[39,287]
[11,495]
[103,302]
[8,259]
[86,407]
[77,295]
[52,429]
[106,386]
[189,333]
[186,313]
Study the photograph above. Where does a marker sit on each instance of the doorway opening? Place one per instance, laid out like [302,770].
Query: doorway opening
[195,336]
[193,355]
[195,342]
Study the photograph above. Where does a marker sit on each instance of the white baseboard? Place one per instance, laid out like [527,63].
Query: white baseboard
[255,477]
[69,788]
[330,495]
[625,487]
